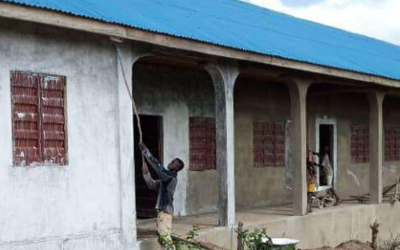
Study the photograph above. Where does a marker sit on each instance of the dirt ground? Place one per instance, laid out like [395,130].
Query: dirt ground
[350,245]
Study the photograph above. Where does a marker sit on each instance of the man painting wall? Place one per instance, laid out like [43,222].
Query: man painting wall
[166,185]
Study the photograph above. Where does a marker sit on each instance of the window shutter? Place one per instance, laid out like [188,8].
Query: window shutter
[39,119]
[53,119]
[279,141]
[258,144]
[202,143]
[392,144]
[25,116]
[268,144]
[359,144]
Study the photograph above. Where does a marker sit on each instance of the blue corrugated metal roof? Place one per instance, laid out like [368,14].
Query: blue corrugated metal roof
[239,25]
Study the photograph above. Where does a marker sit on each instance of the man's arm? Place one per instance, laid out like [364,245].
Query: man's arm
[151,184]
[155,164]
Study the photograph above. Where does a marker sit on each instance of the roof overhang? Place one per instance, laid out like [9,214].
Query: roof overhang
[43,16]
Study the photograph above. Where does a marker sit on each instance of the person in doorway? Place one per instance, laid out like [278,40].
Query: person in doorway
[310,179]
[166,185]
[327,172]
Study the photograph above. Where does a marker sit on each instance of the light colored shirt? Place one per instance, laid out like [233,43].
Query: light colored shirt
[326,167]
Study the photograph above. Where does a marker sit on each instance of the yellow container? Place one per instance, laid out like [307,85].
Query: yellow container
[312,187]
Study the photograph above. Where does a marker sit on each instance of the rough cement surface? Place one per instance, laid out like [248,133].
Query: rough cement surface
[351,109]
[68,207]
[107,241]
[224,76]
[350,245]
[325,227]
[176,94]
[257,101]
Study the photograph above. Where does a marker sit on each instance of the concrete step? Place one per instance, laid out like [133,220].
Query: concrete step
[149,244]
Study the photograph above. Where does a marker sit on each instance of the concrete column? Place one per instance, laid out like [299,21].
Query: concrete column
[375,145]
[224,76]
[298,99]
[125,58]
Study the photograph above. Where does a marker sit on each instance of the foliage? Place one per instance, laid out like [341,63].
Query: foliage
[393,244]
[259,240]
[188,244]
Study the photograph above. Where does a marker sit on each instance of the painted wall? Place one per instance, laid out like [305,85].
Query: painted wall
[177,93]
[75,206]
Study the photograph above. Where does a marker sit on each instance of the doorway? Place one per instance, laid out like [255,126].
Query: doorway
[152,136]
[326,136]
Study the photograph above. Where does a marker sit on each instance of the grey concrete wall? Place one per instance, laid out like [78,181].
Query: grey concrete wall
[75,206]
[333,227]
[348,109]
[328,227]
[177,93]
[258,101]
[266,101]
[391,118]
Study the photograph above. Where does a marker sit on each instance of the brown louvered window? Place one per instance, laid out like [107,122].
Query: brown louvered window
[39,119]
[268,144]
[392,144]
[202,143]
[359,144]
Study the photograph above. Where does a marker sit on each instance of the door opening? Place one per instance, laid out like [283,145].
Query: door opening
[326,139]
[152,136]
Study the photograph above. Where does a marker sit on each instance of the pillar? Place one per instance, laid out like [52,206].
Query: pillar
[224,76]
[375,99]
[298,99]
[125,58]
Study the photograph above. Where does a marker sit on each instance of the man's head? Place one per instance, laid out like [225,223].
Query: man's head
[176,165]
[326,149]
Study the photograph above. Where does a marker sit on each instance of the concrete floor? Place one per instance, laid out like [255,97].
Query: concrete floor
[324,227]
[181,225]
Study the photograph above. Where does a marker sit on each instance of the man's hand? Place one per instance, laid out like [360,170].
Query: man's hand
[145,169]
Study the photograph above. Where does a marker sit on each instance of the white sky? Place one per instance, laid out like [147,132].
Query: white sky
[374,18]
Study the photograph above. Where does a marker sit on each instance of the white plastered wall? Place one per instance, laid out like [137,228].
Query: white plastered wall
[75,206]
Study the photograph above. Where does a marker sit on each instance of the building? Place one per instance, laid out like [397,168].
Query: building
[212,88]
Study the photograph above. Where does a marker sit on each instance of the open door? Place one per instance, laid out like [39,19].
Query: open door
[326,138]
[152,136]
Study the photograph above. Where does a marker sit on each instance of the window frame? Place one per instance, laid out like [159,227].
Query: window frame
[207,121]
[42,163]
[354,130]
[274,149]
[396,130]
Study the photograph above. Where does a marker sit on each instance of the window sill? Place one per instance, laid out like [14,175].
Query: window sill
[40,166]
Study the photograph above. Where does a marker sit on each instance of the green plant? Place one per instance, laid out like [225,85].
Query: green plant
[257,240]
[260,240]
[167,242]
[190,243]
[177,244]
[392,244]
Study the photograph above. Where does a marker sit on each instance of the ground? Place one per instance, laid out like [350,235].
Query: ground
[350,245]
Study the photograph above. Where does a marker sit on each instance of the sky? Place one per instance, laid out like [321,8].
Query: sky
[375,18]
